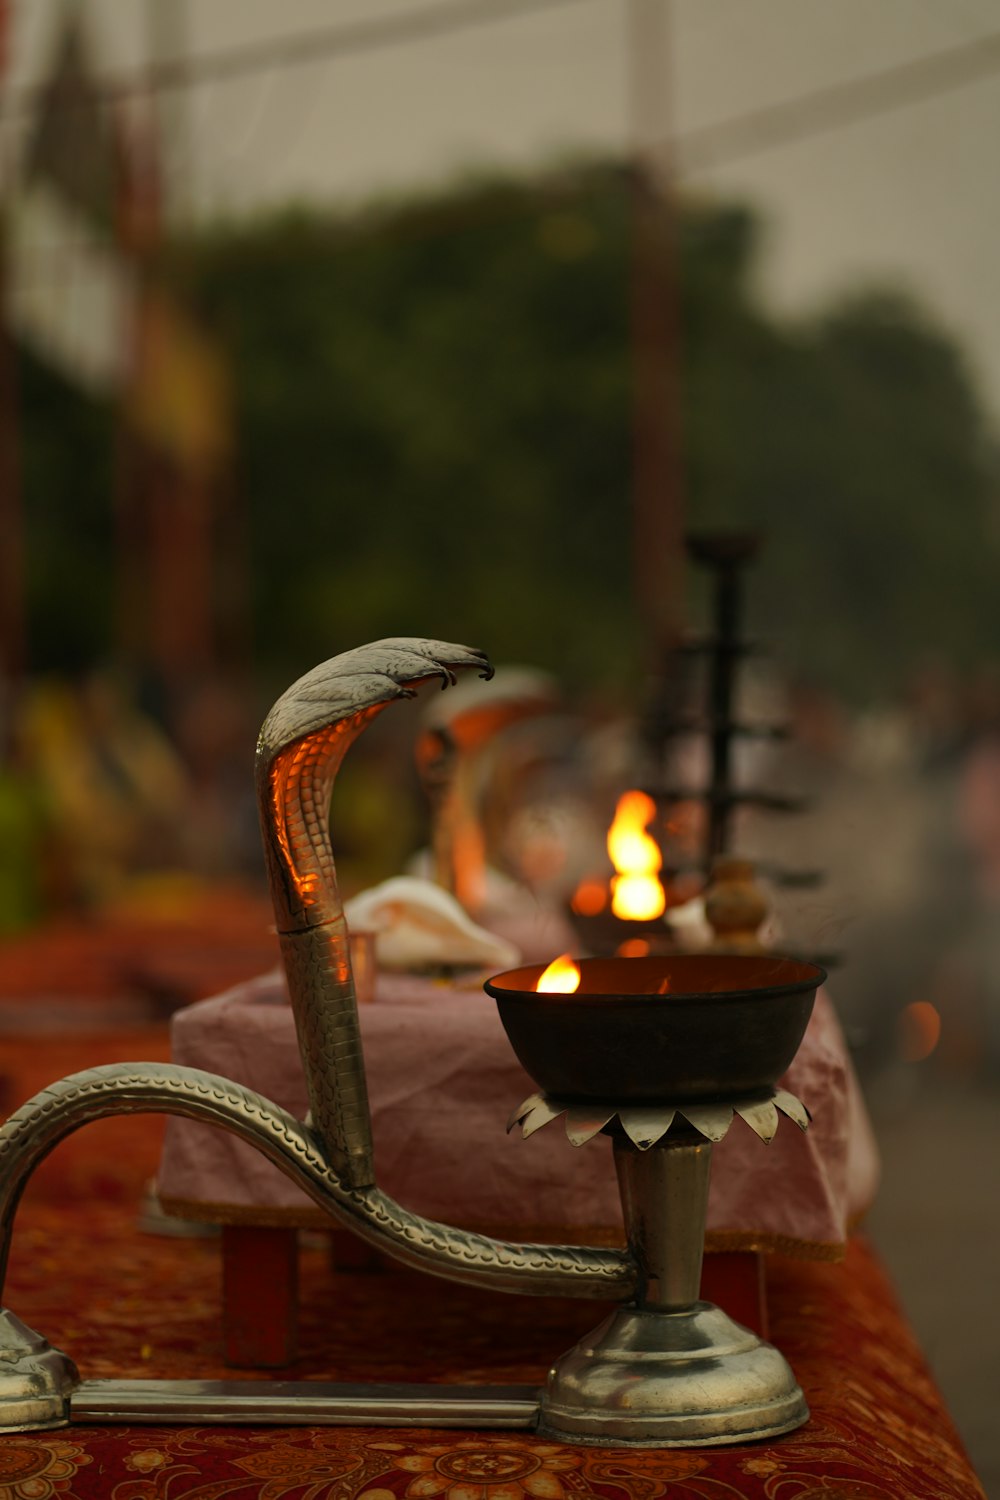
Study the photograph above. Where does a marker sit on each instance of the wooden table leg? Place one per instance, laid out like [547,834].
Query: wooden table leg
[260,1296]
[349,1253]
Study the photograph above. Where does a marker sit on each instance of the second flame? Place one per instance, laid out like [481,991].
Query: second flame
[636,889]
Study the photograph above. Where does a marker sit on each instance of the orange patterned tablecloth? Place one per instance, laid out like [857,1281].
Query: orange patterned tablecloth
[133,963]
[124,1303]
[128,1304]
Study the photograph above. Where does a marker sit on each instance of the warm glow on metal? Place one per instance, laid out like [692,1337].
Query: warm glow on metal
[561,977]
[921,1030]
[636,891]
[589,898]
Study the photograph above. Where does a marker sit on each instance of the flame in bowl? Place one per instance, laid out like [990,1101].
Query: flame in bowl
[561,977]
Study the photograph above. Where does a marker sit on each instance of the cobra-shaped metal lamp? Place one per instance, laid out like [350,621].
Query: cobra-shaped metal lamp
[301,746]
[665,1368]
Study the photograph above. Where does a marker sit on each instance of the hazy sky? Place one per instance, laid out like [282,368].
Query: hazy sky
[908,198]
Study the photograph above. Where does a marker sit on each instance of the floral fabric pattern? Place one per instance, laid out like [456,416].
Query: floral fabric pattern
[365,1464]
[129,1305]
[38,1468]
[488,1469]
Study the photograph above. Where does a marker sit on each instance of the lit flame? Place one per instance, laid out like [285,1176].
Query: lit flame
[921,1030]
[561,977]
[636,890]
[589,898]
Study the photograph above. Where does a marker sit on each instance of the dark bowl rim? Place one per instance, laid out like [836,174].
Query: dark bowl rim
[760,991]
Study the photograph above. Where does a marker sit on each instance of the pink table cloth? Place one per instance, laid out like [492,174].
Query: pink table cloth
[442,1080]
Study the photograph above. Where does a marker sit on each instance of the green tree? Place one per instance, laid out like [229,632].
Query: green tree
[434,418]
[67,472]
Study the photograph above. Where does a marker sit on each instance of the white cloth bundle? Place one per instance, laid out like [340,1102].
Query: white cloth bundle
[417,925]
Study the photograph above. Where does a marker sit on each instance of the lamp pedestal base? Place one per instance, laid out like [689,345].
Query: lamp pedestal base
[661,1379]
[668,1370]
[36,1381]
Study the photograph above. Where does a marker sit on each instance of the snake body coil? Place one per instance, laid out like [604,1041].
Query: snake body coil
[136,1088]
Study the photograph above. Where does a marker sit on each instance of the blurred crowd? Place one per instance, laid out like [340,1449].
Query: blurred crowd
[904,823]
[100,804]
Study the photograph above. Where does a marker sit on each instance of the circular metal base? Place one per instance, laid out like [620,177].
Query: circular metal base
[36,1381]
[671,1379]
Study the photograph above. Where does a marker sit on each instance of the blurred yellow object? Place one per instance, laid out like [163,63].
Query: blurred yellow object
[114,788]
[160,895]
[180,399]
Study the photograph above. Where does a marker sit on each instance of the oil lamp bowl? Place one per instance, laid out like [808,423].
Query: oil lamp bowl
[727,1026]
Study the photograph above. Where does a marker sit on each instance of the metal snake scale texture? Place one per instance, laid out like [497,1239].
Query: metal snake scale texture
[300,749]
[301,746]
[121,1088]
